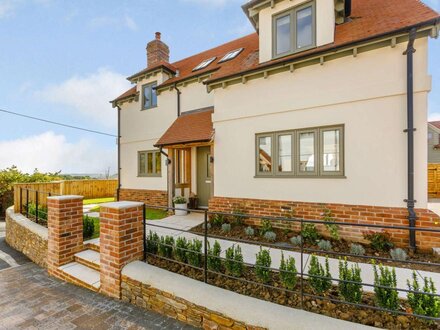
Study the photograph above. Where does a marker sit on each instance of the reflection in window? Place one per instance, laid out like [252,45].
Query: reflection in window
[142,163]
[307,152]
[283,35]
[158,163]
[285,153]
[149,96]
[304,30]
[265,154]
[331,152]
[149,163]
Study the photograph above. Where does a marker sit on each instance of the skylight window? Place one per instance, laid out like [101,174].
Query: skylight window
[204,64]
[231,55]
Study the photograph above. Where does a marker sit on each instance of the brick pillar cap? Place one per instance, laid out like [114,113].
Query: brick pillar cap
[64,197]
[121,205]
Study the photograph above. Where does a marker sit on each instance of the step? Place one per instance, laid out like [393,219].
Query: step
[81,275]
[92,244]
[89,258]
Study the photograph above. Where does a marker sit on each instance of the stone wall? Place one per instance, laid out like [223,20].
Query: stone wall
[387,216]
[151,197]
[27,237]
[145,296]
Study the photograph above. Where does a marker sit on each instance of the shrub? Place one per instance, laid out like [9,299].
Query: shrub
[214,261]
[249,231]
[234,261]
[422,304]
[262,265]
[166,246]
[238,216]
[209,226]
[380,241]
[322,283]
[270,236]
[153,242]
[179,200]
[42,212]
[333,229]
[310,233]
[386,296]
[88,227]
[180,249]
[194,253]
[357,249]
[218,220]
[265,227]
[398,254]
[296,241]
[325,245]
[351,292]
[288,272]
[226,228]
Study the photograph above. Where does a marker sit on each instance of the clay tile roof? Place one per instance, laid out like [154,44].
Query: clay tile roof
[163,65]
[189,127]
[131,92]
[435,124]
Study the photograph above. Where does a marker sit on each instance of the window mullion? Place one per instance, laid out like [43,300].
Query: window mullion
[293,30]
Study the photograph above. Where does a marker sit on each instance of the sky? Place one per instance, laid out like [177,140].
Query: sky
[65,60]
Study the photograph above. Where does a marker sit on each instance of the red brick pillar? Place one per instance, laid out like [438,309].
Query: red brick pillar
[65,227]
[121,237]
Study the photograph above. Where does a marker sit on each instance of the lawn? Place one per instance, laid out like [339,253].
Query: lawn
[98,200]
[155,214]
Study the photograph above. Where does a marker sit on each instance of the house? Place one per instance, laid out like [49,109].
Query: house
[434,142]
[308,113]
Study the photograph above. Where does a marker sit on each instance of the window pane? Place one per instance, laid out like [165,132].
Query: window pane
[284,43]
[153,96]
[158,163]
[265,154]
[147,97]
[285,153]
[304,29]
[307,152]
[150,163]
[331,152]
[142,165]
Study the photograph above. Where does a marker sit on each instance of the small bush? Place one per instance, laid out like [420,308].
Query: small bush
[179,200]
[265,227]
[351,292]
[234,261]
[194,253]
[153,242]
[166,245]
[380,241]
[357,249]
[262,266]
[218,220]
[249,231]
[209,226]
[386,297]
[322,283]
[288,272]
[422,304]
[310,233]
[226,228]
[398,254]
[296,241]
[333,229]
[325,245]
[270,236]
[214,261]
[180,249]
[238,216]
[88,227]
[42,211]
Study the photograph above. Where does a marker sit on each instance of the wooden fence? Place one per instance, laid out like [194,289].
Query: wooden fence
[87,188]
[434,180]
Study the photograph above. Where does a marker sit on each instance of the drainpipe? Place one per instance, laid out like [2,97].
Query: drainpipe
[412,216]
[119,153]
[178,99]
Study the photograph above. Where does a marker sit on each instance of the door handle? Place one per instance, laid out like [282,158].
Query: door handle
[208,181]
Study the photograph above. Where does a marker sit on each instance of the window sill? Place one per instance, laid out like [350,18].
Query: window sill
[149,175]
[276,57]
[143,109]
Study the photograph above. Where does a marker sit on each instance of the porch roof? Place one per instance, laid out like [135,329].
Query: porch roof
[190,127]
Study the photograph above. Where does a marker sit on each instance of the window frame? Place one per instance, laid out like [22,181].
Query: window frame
[292,12]
[318,153]
[227,57]
[152,84]
[154,173]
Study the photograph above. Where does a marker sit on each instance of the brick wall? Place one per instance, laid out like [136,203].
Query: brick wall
[151,197]
[392,216]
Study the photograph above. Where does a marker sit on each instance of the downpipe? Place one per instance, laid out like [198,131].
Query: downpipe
[119,154]
[178,99]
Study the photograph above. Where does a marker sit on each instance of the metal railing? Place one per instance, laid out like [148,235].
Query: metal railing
[33,205]
[301,289]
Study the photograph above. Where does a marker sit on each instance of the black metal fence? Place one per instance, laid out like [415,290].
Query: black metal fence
[33,204]
[302,288]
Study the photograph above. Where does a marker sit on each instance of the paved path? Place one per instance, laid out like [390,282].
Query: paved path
[8,256]
[30,299]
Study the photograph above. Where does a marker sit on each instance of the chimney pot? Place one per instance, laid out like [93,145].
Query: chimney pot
[158,35]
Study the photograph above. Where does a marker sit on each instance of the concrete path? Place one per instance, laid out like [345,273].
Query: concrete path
[179,223]
[30,299]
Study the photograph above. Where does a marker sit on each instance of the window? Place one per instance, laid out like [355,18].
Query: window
[149,96]
[294,30]
[204,64]
[314,152]
[149,163]
[231,55]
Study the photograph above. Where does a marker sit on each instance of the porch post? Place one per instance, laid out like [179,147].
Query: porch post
[170,174]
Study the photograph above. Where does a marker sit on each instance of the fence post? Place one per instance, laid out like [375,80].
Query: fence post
[21,200]
[27,203]
[36,206]
[205,264]
[144,229]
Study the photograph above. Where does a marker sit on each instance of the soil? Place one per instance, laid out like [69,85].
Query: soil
[342,311]
[341,246]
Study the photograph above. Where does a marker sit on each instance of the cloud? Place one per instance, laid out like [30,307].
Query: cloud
[212,3]
[7,8]
[105,21]
[89,96]
[50,152]
[435,116]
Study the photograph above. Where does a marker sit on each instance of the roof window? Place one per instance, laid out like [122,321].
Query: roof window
[204,64]
[231,55]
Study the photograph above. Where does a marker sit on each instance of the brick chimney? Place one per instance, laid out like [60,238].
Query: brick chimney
[157,51]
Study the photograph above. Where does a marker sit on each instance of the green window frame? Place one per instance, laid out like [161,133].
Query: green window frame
[316,152]
[149,96]
[149,163]
[291,15]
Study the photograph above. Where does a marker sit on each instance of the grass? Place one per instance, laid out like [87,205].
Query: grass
[98,200]
[155,214]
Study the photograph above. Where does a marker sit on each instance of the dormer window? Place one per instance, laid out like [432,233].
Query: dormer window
[204,64]
[294,30]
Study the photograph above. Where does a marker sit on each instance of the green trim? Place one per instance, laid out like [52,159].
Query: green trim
[154,155]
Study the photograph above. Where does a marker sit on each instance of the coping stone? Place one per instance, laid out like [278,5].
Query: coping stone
[64,197]
[121,205]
